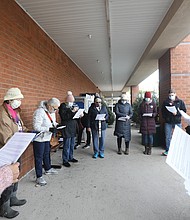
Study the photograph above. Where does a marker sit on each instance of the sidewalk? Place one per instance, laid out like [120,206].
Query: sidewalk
[118,187]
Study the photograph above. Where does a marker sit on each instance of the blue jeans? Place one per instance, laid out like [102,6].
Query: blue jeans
[147,139]
[168,133]
[41,154]
[68,148]
[98,142]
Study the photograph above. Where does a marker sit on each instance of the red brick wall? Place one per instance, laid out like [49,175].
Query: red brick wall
[31,61]
[134,93]
[174,72]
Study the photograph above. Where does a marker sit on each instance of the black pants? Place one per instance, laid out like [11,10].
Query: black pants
[80,136]
[119,142]
[6,194]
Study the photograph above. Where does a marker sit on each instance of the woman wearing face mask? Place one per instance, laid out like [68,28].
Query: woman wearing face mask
[10,123]
[147,114]
[123,111]
[171,119]
[44,120]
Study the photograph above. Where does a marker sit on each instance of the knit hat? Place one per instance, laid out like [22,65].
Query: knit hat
[147,95]
[13,93]
[70,97]
[124,97]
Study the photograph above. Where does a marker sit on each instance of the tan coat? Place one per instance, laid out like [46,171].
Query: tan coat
[7,125]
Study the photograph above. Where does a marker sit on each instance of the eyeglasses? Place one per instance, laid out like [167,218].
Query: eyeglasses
[98,102]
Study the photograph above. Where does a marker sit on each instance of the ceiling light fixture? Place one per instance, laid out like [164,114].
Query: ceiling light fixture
[97,61]
[89,36]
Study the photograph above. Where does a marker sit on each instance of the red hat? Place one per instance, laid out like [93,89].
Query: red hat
[148,95]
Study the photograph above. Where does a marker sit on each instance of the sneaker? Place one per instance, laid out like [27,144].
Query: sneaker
[73,160]
[95,155]
[165,153]
[66,164]
[51,172]
[41,181]
[101,155]
[86,146]
[76,146]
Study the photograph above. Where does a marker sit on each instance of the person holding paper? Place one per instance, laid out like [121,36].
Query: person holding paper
[98,127]
[171,118]
[67,111]
[10,123]
[124,112]
[147,114]
[44,121]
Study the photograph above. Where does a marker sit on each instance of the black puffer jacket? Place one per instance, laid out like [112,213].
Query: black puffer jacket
[169,117]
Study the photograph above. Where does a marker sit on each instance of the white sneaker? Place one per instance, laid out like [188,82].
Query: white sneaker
[41,181]
[76,146]
[51,172]
[86,146]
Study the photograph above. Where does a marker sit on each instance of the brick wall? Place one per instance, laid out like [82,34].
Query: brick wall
[174,72]
[134,92]
[31,61]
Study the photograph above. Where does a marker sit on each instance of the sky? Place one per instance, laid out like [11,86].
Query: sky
[150,83]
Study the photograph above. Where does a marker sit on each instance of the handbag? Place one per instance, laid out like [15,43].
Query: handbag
[54,141]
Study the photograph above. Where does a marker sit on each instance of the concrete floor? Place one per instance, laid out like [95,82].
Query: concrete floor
[133,187]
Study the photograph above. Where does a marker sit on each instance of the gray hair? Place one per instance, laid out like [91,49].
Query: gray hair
[53,101]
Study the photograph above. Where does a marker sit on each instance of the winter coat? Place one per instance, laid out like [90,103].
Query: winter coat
[42,123]
[168,116]
[123,128]
[7,125]
[92,113]
[148,124]
[71,124]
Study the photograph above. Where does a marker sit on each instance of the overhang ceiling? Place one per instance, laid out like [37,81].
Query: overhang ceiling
[116,43]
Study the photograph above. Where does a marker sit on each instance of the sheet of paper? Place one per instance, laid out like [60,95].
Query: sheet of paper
[15,147]
[179,155]
[61,127]
[185,116]
[147,114]
[78,113]
[172,109]
[100,117]
[123,119]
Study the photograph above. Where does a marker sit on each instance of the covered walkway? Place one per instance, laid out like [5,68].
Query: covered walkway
[134,187]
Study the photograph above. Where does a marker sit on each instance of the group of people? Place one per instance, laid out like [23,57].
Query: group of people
[95,122]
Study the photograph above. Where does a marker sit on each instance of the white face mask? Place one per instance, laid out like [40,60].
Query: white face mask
[172,97]
[123,101]
[70,104]
[147,99]
[15,104]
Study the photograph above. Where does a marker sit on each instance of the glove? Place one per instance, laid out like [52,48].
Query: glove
[53,130]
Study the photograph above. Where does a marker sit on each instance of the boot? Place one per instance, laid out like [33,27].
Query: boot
[119,151]
[149,150]
[146,150]
[14,201]
[119,141]
[6,211]
[126,152]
